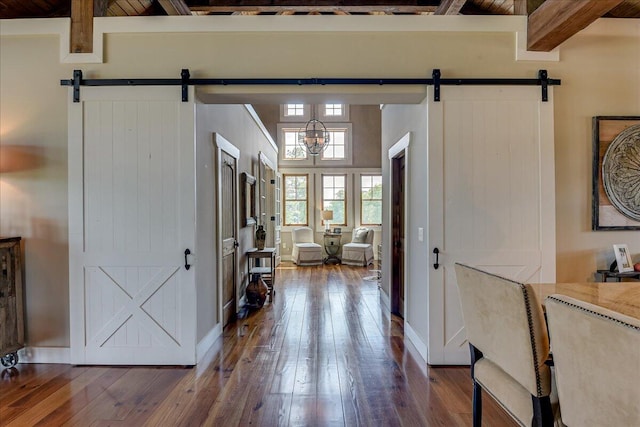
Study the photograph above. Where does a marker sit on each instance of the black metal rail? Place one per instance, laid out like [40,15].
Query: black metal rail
[436,81]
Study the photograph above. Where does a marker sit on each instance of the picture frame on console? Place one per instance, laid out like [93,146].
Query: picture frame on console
[623,258]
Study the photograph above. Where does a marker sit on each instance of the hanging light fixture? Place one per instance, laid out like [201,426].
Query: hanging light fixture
[314,138]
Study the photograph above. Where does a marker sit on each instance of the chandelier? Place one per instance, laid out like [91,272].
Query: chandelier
[314,138]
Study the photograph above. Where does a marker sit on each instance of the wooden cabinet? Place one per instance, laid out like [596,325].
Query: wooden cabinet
[11,301]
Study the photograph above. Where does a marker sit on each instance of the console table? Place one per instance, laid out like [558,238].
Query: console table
[11,301]
[332,247]
[255,258]
[607,274]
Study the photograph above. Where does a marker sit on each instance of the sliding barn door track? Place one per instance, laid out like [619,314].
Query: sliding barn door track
[436,81]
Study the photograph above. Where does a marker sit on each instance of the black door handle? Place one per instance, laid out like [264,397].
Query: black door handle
[437,252]
[186,262]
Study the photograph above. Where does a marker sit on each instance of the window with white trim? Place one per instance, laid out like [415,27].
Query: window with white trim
[294,110]
[334,197]
[337,148]
[292,150]
[333,110]
[296,199]
[370,199]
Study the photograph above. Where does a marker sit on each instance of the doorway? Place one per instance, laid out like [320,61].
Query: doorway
[398,160]
[227,158]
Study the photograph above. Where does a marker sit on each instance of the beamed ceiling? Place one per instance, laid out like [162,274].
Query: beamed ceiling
[550,22]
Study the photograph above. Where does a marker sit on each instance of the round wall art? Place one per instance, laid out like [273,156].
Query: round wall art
[621,172]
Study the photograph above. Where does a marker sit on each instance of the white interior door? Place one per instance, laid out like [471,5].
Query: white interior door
[131,209]
[491,198]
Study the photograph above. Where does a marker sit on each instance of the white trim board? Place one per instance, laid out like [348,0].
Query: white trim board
[417,342]
[59,355]
[263,129]
[208,341]
[271,23]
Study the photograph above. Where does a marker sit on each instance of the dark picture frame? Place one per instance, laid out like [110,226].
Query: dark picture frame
[248,200]
[605,216]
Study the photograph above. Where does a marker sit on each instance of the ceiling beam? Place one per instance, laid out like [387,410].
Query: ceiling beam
[175,7]
[450,7]
[81,26]
[557,20]
[322,9]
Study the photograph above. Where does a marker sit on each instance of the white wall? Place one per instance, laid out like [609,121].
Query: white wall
[236,125]
[600,69]
[397,120]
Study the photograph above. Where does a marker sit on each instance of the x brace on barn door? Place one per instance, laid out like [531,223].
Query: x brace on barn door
[436,81]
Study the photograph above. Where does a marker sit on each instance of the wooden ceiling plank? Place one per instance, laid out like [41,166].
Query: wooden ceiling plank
[557,20]
[100,7]
[626,9]
[128,9]
[175,7]
[520,7]
[450,7]
[81,26]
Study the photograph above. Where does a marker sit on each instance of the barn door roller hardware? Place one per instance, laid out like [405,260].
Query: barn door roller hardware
[436,81]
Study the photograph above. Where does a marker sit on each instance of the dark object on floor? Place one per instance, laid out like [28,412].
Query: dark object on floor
[257,291]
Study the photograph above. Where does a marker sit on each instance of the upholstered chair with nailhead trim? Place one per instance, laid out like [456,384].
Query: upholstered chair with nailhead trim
[597,362]
[509,346]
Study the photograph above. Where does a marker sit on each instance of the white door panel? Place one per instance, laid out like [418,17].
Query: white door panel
[491,198]
[132,198]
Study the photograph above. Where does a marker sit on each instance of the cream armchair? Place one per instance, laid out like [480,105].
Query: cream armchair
[597,361]
[305,250]
[509,346]
[360,250]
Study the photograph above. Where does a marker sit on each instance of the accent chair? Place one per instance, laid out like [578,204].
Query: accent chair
[305,250]
[360,250]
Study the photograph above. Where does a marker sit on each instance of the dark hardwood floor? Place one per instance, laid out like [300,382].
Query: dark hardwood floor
[324,353]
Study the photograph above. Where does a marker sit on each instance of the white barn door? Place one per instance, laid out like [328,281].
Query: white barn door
[491,198]
[131,216]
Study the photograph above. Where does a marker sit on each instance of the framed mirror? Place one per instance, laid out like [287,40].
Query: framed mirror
[248,200]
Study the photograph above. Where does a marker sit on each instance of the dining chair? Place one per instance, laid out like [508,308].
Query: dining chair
[509,346]
[360,250]
[597,361]
[305,251]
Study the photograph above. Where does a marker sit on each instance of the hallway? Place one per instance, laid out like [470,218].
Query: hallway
[322,354]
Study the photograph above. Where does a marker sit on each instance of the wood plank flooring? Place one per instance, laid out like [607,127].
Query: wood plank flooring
[324,353]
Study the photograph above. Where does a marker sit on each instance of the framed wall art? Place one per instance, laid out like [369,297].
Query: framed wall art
[248,200]
[616,173]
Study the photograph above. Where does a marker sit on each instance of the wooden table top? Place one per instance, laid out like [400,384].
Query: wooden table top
[623,297]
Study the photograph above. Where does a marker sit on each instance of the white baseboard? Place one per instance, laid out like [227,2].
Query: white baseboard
[416,341]
[205,343]
[384,299]
[60,355]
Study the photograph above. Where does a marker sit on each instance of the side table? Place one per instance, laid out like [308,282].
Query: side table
[332,247]
[267,272]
